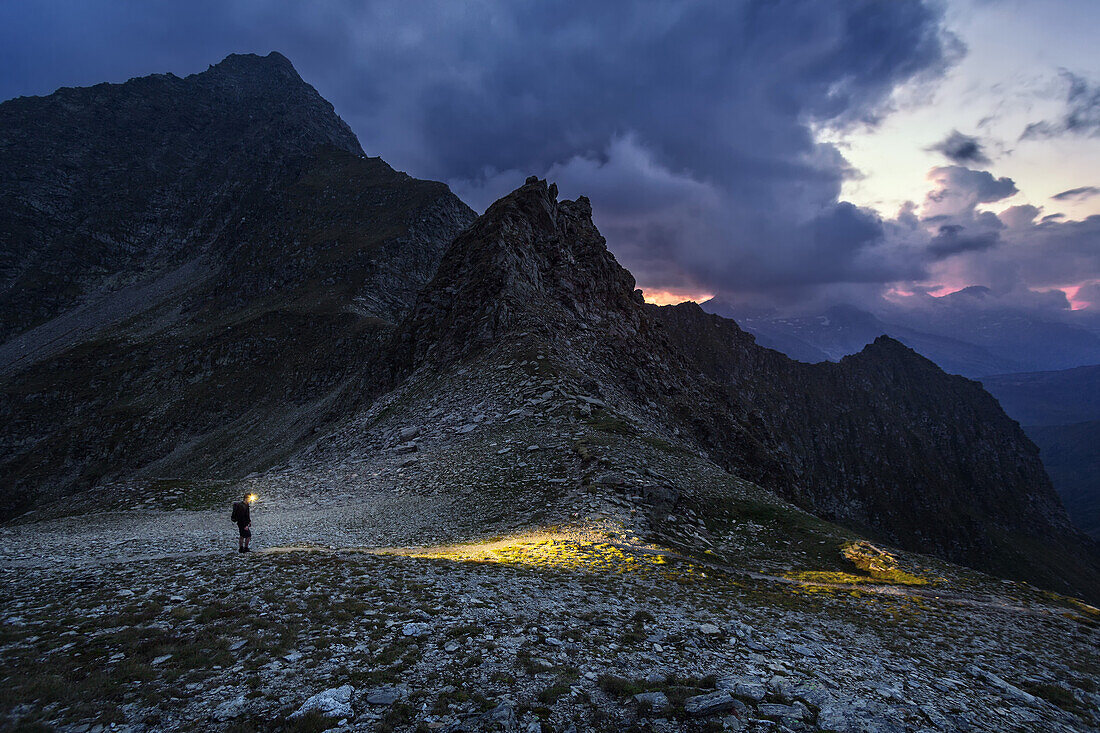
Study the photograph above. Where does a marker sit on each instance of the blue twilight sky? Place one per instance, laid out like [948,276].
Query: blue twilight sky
[784,152]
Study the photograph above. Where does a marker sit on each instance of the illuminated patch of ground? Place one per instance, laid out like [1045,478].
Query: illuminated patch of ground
[877,566]
[890,577]
[553,550]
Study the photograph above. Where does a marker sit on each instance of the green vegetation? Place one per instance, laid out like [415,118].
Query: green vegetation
[1058,695]
[619,686]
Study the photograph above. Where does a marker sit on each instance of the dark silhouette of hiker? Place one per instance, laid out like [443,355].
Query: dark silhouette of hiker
[243,520]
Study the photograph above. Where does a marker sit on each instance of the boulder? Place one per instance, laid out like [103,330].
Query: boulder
[657,701]
[384,695]
[748,688]
[709,704]
[332,703]
[769,710]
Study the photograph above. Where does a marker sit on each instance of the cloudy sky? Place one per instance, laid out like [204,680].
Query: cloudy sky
[790,153]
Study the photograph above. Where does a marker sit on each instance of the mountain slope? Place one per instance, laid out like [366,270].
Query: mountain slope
[1049,398]
[842,330]
[1060,411]
[80,210]
[197,300]
[1071,454]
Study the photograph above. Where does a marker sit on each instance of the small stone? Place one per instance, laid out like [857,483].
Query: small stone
[230,708]
[416,629]
[657,701]
[709,629]
[746,688]
[769,710]
[332,703]
[709,704]
[503,715]
[384,696]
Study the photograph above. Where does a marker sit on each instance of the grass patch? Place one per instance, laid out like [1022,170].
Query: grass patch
[551,694]
[1057,695]
[619,686]
[896,577]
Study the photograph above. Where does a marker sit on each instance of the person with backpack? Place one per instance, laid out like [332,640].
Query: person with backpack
[243,519]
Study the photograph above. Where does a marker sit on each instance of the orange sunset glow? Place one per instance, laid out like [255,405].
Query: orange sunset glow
[673,297]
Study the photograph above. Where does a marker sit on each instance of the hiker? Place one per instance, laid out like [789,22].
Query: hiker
[244,522]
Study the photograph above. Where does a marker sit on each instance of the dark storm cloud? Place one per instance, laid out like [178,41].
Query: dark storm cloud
[952,239]
[970,185]
[1082,114]
[690,125]
[962,149]
[1083,192]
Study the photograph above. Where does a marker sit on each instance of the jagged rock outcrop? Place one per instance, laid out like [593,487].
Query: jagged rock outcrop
[534,271]
[191,272]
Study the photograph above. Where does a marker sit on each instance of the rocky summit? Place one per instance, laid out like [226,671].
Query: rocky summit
[496,490]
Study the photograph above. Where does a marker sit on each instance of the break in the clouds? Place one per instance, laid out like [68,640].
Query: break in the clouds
[962,149]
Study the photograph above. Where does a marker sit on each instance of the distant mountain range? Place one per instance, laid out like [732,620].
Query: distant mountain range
[964,340]
[206,277]
[1060,411]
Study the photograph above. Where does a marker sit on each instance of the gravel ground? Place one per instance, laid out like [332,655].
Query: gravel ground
[153,622]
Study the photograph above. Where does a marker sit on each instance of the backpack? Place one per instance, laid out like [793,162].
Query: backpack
[236,512]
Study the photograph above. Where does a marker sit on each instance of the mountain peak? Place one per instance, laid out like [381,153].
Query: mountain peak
[251,63]
[529,259]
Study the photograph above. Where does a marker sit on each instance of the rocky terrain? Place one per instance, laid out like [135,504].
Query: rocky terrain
[561,608]
[497,490]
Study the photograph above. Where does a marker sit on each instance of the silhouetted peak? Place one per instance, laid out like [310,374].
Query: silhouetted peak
[246,64]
